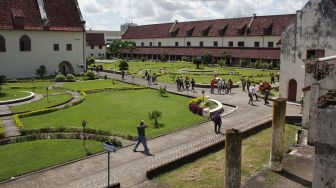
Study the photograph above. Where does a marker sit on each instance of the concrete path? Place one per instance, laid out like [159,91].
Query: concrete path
[128,168]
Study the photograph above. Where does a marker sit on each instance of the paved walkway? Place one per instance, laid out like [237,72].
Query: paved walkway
[128,168]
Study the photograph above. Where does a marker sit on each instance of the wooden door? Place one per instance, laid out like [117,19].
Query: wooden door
[292,89]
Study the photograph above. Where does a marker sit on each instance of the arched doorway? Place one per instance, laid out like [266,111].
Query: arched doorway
[65,68]
[292,88]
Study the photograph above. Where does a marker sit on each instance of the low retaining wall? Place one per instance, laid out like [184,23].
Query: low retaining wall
[209,113]
[209,86]
[31,96]
[212,145]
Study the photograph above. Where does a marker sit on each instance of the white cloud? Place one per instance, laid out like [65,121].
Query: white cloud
[109,14]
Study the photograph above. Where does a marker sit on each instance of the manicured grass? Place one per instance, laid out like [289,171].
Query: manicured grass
[44,103]
[165,69]
[209,170]
[8,94]
[21,158]
[96,84]
[120,112]
[39,87]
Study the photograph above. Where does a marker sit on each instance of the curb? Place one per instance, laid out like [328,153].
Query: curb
[31,96]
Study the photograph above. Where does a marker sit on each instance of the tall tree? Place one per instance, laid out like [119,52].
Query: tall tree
[197,61]
[119,45]
[41,71]
[207,58]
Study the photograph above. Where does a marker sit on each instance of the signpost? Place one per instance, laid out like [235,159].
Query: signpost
[108,146]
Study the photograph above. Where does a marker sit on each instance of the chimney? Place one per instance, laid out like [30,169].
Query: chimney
[19,18]
[254,15]
[176,21]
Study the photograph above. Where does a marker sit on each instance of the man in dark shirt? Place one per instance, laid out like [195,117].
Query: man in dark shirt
[218,122]
[141,136]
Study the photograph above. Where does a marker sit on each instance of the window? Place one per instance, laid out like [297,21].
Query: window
[69,47]
[92,47]
[150,44]
[100,47]
[56,47]
[215,43]
[159,43]
[270,44]
[25,44]
[257,44]
[230,44]
[176,44]
[91,54]
[201,43]
[241,44]
[142,44]
[2,44]
[312,54]
[188,43]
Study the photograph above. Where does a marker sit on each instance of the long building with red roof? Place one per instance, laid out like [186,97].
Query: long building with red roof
[41,32]
[246,39]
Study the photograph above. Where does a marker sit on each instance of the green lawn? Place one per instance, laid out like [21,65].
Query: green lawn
[9,94]
[120,112]
[95,84]
[44,103]
[209,170]
[165,69]
[21,158]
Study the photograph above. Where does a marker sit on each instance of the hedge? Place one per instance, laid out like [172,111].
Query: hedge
[75,135]
[24,131]
[2,131]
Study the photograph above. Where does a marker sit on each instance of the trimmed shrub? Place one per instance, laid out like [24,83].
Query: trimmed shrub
[264,85]
[2,79]
[2,131]
[70,78]
[90,75]
[123,65]
[17,121]
[60,78]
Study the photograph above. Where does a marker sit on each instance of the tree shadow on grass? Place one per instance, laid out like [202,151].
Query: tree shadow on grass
[160,125]
[3,95]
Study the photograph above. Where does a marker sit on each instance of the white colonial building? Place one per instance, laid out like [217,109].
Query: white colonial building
[41,32]
[312,34]
[95,45]
[247,39]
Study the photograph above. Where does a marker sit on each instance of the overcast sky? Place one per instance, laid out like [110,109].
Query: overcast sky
[109,14]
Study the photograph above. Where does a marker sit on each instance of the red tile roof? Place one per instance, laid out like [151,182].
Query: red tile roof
[278,22]
[62,14]
[95,39]
[254,53]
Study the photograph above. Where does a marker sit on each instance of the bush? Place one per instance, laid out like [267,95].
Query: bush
[154,116]
[162,91]
[41,71]
[90,75]
[264,85]
[123,65]
[185,58]
[60,78]
[2,79]
[70,78]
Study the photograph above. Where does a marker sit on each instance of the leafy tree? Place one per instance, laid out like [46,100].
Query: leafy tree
[41,71]
[197,61]
[163,57]
[90,61]
[226,58]
[119,45]
[207,58]
[221,63]
[123,65]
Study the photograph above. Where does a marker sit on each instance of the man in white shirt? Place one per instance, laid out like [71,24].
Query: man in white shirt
[254,92]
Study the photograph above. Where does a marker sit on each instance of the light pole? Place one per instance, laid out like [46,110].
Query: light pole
[84,125]
[203,91]
[33,81]
[108,146]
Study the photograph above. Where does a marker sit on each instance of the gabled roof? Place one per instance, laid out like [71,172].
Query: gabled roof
[63,15]
[233,27]
[95,39]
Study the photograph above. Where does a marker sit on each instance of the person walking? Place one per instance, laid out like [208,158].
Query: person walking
[219,86]
[254,92]
[266,97]
[193,85]
[212,85]
[141,136]
[229,86]
[123,74]
[243,84]
[251,98]
[218,122]
[187,84]
[248,84]
[178,85]
[182,83]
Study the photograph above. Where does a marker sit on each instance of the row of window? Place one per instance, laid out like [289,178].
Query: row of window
[25,44]
[215,44]
[100,47]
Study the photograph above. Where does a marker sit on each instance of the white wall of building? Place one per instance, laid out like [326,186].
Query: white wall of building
[95,52]
[312,29]
[17,64]
[209,41]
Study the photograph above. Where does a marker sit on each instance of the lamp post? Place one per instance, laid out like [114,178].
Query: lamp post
[84,125]
[203,91]
[33,81]
[47,94]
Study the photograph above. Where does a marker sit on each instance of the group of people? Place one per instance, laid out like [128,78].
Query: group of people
[151,79]
[246,85]
[222,86]
[185,84]
[253,93]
